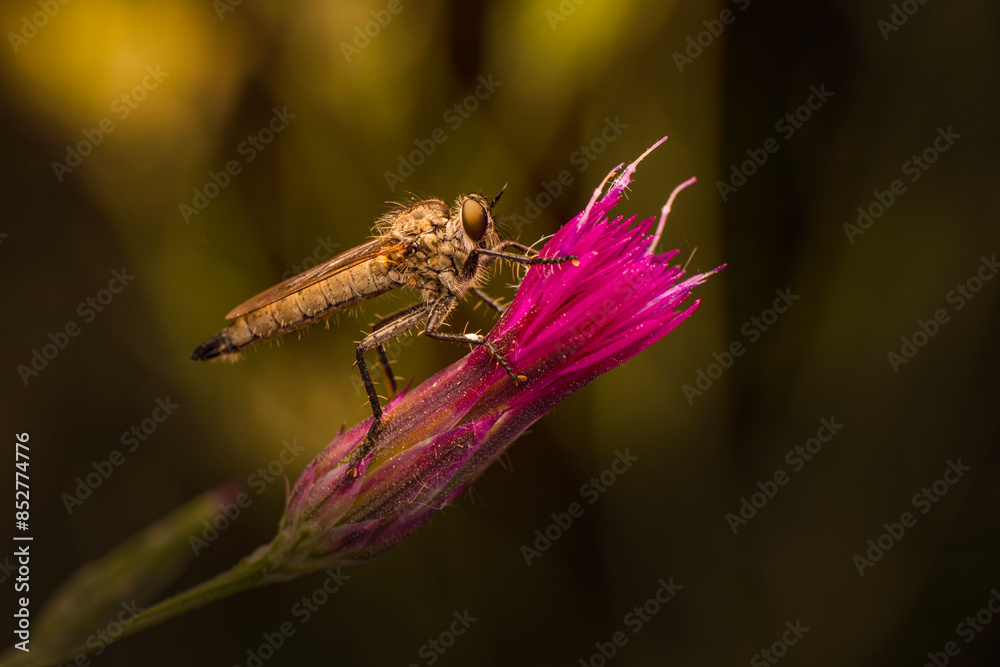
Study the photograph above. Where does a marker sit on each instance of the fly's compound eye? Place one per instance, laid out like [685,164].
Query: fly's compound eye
[474,219]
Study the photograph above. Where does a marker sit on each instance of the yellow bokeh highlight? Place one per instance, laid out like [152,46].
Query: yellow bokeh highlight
[89,54]
[566,39]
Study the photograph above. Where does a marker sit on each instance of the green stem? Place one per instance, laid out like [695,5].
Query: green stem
[250,572]
[242,576]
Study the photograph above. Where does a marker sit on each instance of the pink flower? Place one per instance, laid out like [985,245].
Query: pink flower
[568,324]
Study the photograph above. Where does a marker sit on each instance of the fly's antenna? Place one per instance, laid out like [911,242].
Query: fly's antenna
[497,198]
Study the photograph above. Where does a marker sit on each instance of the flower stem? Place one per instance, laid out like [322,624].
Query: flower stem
[251,572]
[244,575]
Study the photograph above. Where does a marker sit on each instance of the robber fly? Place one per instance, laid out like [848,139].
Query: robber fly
[426,246]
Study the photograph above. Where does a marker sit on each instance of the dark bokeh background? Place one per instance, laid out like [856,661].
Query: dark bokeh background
[565,71]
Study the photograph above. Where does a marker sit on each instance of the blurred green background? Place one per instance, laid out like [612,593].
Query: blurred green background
[161,96]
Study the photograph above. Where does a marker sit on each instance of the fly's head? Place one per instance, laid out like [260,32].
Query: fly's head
[472,223]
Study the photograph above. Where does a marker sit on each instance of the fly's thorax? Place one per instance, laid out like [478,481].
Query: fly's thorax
[453,246]
[436,256]
[431,264]
[412,222]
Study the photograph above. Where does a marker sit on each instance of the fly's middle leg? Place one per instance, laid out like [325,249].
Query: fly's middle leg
[489,301]
[439,311]
[391,327]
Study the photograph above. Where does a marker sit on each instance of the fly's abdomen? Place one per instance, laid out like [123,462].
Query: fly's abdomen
[299,309]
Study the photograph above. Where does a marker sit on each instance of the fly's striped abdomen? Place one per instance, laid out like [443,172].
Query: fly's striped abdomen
[310,304]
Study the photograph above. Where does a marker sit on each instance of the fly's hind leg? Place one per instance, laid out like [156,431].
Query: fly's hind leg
[383,359]
[398,324]
[390,379]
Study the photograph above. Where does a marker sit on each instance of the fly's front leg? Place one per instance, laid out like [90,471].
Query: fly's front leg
[399,324]
[439,311]
[525,259]
[520,246]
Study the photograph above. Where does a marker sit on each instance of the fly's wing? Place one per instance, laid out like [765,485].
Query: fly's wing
[341,262]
